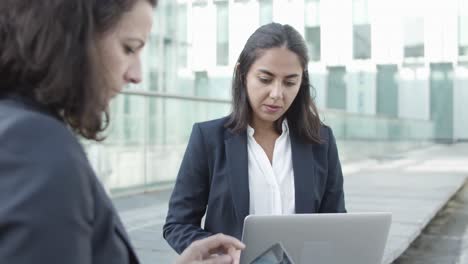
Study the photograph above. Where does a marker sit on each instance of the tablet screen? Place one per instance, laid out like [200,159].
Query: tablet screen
[276,254]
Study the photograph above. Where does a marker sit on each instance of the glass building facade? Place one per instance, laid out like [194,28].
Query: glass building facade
[387,76]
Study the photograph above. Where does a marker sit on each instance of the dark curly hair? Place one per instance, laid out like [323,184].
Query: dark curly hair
[48,54]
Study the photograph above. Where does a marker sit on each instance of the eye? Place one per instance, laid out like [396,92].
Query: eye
[264,80]
[289,84]
[129,50]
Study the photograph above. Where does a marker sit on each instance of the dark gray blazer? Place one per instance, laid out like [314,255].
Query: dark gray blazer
[213,177]
[52,207]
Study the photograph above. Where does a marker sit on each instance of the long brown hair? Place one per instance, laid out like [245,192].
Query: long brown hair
[48,54]
[303,117]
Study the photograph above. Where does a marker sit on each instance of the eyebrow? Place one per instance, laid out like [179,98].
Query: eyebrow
[271,74]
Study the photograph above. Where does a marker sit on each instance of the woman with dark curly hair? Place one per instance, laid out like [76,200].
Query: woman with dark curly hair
[61,61]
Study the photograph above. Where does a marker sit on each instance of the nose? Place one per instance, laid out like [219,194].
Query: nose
[276,91]
[133,74]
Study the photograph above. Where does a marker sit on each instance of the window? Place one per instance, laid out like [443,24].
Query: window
[222,33]
[201,83]
[266,11]
[153,57]
[414,37]
[153,80]
[183,44]
[199,3]
[312,28]
[362,42]
[463,36]
[362,47]
[387,90]
[336,87]
[463,29]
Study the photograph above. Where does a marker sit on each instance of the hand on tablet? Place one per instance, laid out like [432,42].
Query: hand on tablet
[216,249]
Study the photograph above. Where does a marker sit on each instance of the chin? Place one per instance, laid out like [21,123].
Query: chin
[115,92]
[271,118]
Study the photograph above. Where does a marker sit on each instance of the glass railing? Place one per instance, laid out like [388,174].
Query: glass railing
[149,132]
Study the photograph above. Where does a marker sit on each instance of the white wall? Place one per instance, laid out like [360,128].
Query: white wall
[243,21]
[386,31]
[441,36]
[203,32]
[289,12]
[337,34]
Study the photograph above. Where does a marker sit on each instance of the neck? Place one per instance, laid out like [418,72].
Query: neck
[261,126]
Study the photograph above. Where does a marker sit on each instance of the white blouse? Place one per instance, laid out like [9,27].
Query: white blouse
[271,185]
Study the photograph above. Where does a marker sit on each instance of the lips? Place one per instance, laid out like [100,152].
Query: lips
[272,108]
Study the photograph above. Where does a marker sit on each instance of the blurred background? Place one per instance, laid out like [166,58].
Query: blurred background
[388,77]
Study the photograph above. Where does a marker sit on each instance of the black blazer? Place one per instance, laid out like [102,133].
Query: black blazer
[52,207]
[213,177]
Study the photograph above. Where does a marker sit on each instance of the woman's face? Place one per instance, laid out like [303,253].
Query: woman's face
[273,82]
[119,49]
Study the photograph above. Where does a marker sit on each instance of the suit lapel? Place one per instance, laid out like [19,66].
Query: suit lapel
[237,165]
[118,225]
[304,173]
[124,236]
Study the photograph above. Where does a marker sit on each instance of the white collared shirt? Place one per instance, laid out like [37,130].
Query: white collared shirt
[271,185]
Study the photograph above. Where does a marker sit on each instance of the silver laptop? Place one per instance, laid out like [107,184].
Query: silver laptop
[352,238]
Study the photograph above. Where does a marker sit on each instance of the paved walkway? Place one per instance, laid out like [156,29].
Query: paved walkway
[445,239]
[413,186]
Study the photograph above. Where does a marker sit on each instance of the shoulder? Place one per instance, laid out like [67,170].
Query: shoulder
[210,133]
[212,129]
[329,142]
[47,152]
[34,130]
[326,134]
[213,125]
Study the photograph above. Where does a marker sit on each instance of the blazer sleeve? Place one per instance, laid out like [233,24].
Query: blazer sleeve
[189,199]
[333,199]
[45,202]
